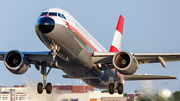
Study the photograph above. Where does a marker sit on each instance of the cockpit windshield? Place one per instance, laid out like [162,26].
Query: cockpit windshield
[53,14]
[44,13]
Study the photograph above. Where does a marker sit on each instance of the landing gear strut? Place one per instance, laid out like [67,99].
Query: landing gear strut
[116,85]
[54,49]
[43,85]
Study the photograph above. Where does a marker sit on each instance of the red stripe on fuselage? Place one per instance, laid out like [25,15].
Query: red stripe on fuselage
[81,36]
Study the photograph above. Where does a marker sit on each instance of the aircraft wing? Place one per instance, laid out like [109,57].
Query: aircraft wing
[38,56]
[153,57]
[146,77]
[2,54]
[106,57]
[140,77]
[33,57]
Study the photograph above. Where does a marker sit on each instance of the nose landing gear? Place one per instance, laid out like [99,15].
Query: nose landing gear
[55,49]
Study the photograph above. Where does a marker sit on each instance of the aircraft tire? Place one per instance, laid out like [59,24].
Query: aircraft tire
[120,88]
[48,88]
[40,88]
[111,88]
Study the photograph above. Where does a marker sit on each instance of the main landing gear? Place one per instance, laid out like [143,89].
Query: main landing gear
[42,86]
[113,87]
[116,85]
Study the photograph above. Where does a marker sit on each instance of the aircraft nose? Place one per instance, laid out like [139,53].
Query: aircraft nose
[46,24]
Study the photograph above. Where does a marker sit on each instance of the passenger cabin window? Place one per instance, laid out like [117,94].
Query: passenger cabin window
[52,13]
[44,13]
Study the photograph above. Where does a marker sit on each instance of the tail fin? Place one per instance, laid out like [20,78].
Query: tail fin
[116,44]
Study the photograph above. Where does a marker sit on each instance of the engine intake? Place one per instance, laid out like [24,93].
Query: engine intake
[125,63]
[16,62]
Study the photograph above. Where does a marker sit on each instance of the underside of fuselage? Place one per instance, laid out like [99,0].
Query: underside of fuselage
[73,56]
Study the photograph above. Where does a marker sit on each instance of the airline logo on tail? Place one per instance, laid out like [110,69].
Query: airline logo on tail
[116,44]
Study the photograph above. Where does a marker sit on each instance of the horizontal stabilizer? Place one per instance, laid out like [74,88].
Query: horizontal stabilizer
[146,77]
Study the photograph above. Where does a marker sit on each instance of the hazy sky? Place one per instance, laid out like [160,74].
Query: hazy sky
[150,26]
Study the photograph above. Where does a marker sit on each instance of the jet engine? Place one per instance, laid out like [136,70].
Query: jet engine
[125,63]
[16,62]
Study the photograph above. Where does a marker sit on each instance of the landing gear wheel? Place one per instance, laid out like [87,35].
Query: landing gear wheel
[40,88]
[120,88]
[48,88]
[111,88]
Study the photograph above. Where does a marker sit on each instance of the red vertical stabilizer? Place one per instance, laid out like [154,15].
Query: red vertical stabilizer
[116,44]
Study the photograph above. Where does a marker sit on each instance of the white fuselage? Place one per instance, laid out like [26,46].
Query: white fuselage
[73,24]
[75,47]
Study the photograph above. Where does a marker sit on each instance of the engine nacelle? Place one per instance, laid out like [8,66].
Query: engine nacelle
[125,63]
[16,62]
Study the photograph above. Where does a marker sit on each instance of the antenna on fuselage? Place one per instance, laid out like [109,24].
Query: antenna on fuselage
[57,6]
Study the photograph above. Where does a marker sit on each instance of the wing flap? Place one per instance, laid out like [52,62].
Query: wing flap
[146,77]
[153,57]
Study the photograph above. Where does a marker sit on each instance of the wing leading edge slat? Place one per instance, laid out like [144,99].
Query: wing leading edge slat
[153,57]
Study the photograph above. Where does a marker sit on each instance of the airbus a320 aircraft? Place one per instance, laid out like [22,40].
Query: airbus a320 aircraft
[80,56]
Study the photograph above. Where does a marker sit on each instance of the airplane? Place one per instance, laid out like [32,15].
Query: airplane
[80,56]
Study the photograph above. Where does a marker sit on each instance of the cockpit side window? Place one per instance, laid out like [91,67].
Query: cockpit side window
[52,13]
[62,16]
[44,13]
